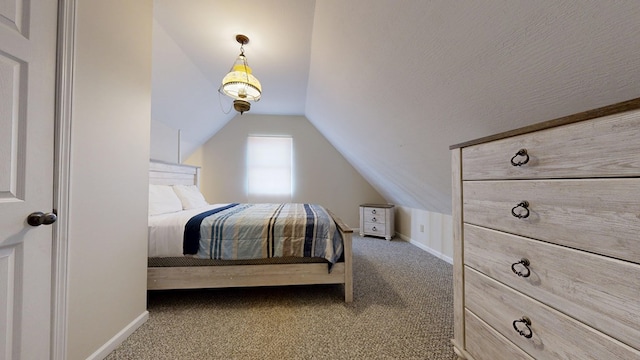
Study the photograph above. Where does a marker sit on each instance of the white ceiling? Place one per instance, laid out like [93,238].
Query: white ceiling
[391,84]
[278,50]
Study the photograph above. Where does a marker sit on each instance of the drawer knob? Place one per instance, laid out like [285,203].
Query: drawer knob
[373,219]
[373,211]
[374,229]
[524,205]
[528,333]
[521,152]
[524,262]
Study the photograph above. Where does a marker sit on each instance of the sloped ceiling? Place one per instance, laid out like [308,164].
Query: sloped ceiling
[391,84]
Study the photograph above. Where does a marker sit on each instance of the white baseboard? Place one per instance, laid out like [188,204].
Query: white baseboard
[121,336]
[424,247]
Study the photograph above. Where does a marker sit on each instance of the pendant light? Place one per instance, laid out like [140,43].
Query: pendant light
[239,84]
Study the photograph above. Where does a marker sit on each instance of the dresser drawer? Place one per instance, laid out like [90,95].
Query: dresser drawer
[485,343]
[599,291]
[596,215]
[374,229]
[553,334]
[605,147]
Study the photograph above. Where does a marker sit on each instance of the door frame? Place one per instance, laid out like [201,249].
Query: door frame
[65,65]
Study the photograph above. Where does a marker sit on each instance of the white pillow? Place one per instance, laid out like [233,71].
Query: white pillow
[162,200]
[190,196]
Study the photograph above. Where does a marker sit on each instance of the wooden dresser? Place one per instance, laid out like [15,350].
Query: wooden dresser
[377,220]
[547,240]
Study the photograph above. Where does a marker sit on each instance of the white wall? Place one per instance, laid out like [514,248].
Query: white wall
[322,175]
[164,142]
[109,177]
[413,77]
[430,231]
[180,91]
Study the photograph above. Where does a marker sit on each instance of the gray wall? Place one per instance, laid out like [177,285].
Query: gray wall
[109,177]
[321,174]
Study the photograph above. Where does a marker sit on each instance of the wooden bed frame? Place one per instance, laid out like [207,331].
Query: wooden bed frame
[193,277]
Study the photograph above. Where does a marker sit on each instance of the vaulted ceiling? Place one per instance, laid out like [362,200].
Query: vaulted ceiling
[391,84]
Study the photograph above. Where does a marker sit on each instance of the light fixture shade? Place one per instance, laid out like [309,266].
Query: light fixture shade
[240,84]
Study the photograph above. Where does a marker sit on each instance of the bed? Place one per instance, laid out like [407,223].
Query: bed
[169,270]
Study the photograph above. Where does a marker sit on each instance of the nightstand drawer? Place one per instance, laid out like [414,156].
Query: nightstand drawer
[373,211]
[374,219]
[374,229]
[549,335]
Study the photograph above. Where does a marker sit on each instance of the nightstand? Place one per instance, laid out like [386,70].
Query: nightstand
[377,220]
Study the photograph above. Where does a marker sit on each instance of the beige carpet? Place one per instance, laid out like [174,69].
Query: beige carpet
[402,309]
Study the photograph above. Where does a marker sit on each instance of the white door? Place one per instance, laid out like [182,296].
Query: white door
[27,107]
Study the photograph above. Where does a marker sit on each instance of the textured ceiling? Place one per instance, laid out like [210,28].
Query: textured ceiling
[391,84]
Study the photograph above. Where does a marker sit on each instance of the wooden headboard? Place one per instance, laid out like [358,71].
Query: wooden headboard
[164,173]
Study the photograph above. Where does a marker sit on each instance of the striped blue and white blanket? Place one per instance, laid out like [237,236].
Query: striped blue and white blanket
[254,231]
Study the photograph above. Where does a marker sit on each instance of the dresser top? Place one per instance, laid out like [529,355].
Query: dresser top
[587,115]
[387,206]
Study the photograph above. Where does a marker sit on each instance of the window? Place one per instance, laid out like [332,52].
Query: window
[269,174]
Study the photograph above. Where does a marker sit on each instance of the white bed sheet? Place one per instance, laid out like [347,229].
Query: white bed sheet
[166,231]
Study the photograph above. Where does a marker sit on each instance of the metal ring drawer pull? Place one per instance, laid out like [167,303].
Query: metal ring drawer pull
[374,228]
[523,204]
[373,219]
[521,152]
[524,262]
[373,211]
[528,333]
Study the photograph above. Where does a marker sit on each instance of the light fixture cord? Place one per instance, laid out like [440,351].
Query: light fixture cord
[244,63]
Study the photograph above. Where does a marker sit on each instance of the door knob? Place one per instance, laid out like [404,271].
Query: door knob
[39,218]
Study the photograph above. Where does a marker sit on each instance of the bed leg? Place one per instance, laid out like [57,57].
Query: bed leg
[348,267]
[348,293]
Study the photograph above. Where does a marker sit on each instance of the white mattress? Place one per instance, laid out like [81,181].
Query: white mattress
[166,231]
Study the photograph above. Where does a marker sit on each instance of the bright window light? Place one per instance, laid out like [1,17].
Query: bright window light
[269,161]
